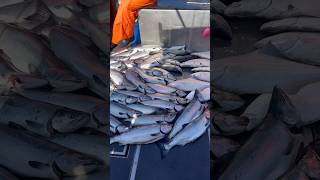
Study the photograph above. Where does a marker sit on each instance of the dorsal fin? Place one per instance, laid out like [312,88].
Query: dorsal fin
[282,108]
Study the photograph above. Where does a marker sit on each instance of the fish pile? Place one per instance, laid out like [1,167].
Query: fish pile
[53,89]
[153,96]
[266,118]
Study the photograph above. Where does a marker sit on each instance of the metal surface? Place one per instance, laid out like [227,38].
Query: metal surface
[175,27]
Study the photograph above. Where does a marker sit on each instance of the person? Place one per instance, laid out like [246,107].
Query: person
[123,26]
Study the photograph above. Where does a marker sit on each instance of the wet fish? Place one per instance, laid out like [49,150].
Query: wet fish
[134,78]
[227,101]
[201,69]
[204,54]
[252,161]
[273,9]
[139,95]
[184,58]
[203,76]
[168,97]
[159,88]
[142,135]
[186,117]
[196,63]
[222,146]
[116,126]
[99,37]
[93,145]
[88,104]
[32,56]
[161,73]
[171,67]
[41,158]
[234,74]
[144,109]
[122,111]
[27,14]
[297,46]
[169,106]
[306,102]
[40,118]
[152,119]
[301,24]
[189,84]
[81,60]
[148,78]
[122,99]
[5,174]
[191,132]
[119,79]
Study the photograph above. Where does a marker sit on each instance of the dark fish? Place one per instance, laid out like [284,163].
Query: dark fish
[81,60]
[306,102]
[234,74]
[30,55]
[27,14]
[301,24]
[227,101]
[88,104]
[272,149]
[273,9]
[99,37]
[296,46]
[40,118]
[38,157]
[93,145]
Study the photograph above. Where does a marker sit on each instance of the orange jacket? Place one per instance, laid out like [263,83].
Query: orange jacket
[123,26]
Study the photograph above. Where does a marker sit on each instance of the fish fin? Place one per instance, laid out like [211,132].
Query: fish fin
[38,165]
[282,108]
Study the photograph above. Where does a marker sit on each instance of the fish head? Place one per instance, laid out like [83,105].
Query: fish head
[178,108]
[165,128]
[247,8]
[134,113]
[171,116]
[181,93]
[66,121]
[131,100]
[149,90]
[144,98]
[71,163]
